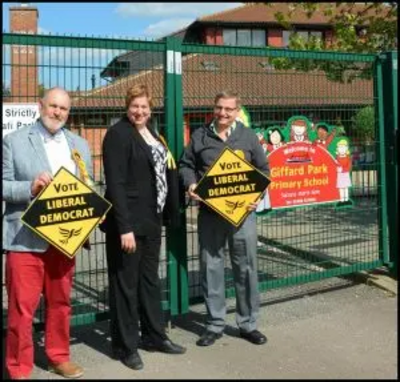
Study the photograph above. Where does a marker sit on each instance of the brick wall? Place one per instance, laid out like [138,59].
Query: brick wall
[275,38]
[24,71]
[213,36]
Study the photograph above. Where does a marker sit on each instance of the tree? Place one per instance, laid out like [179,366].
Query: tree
[6,91]
[41,90]
[357,28]
[364,124]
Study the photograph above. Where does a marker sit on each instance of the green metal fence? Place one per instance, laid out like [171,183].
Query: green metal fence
[303,244]
[295,246]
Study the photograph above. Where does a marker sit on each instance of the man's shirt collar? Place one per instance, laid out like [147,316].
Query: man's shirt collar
[213,127]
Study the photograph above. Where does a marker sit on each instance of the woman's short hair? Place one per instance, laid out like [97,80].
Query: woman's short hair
[138,91]
[228,94]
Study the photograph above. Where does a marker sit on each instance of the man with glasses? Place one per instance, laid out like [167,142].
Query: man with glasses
[205,146]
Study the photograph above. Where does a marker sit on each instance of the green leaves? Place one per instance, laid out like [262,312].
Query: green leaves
[364,123]
[357,28]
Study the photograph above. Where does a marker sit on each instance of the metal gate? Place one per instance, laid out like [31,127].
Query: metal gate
[303,244]
[295,246]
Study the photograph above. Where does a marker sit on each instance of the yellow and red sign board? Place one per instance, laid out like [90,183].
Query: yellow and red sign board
[302,180]
[65,212]
[230,185]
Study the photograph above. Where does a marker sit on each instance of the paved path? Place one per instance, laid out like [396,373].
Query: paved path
[348,331]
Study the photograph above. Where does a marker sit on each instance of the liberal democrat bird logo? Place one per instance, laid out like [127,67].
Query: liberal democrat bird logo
[68,234]
[233,205]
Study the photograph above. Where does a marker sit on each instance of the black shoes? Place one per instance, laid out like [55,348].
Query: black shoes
[208,338]
[167,346]
[133,361]
[255,337]
[117,354]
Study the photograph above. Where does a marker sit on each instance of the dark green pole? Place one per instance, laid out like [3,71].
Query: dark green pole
[381,170]
[389,84]
[181,234]
[169,105]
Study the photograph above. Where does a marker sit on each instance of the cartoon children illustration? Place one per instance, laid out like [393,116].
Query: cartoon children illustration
[264,206]
[262,140]
[324,138]
[343,182]
[275,139]
[298,131]
[299,134]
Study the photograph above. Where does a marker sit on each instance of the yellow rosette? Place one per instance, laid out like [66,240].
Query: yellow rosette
[80,163]
[170,159]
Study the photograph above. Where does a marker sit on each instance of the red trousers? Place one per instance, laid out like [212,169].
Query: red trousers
[28,275]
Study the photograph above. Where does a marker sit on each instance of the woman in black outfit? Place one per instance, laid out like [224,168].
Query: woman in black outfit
[135,166]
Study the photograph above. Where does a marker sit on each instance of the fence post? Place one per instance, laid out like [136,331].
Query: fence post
[389,85]
[169,92]
[180,234]
[381,166]
[176,238]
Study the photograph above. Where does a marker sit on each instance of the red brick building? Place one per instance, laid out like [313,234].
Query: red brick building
[24,70]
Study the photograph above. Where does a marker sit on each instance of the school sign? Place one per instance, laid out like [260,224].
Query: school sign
[310,163]
[307,180]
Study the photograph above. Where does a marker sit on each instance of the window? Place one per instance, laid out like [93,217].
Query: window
[305,34]
[244,37]
[258,37]
[229,36]
[285,39]
[316,34]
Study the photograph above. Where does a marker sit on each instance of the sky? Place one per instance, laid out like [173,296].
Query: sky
[147,21]
[130,20]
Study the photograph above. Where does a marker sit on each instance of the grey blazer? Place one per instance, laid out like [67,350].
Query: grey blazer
[24,157]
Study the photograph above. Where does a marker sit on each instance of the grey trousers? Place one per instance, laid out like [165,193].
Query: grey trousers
[214,232]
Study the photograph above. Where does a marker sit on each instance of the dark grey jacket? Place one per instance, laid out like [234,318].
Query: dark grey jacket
[205,146]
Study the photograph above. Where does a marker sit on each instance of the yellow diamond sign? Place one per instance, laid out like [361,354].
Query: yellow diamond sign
[230,185]
[65,212]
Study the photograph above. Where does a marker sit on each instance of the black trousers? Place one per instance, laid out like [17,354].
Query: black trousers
[134,293]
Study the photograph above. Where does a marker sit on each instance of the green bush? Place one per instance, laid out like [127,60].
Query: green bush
[364,124]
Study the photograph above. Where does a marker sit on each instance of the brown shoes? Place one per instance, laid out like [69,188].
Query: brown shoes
[67,369]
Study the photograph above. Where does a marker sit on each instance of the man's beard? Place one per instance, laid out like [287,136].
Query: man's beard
[52,124]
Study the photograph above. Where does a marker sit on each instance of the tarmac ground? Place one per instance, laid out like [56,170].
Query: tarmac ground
[338,328]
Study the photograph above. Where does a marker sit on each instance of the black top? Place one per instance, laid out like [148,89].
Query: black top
[131,182]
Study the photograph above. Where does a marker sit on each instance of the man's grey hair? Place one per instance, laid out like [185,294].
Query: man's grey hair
[56,88]
[228,94]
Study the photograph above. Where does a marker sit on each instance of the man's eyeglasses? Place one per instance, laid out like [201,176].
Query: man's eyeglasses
[229,110]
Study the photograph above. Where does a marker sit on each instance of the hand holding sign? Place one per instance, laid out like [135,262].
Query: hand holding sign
[191,192]
[252,206]
[41,181]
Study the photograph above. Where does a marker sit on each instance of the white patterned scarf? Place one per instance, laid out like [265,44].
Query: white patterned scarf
[160,159]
